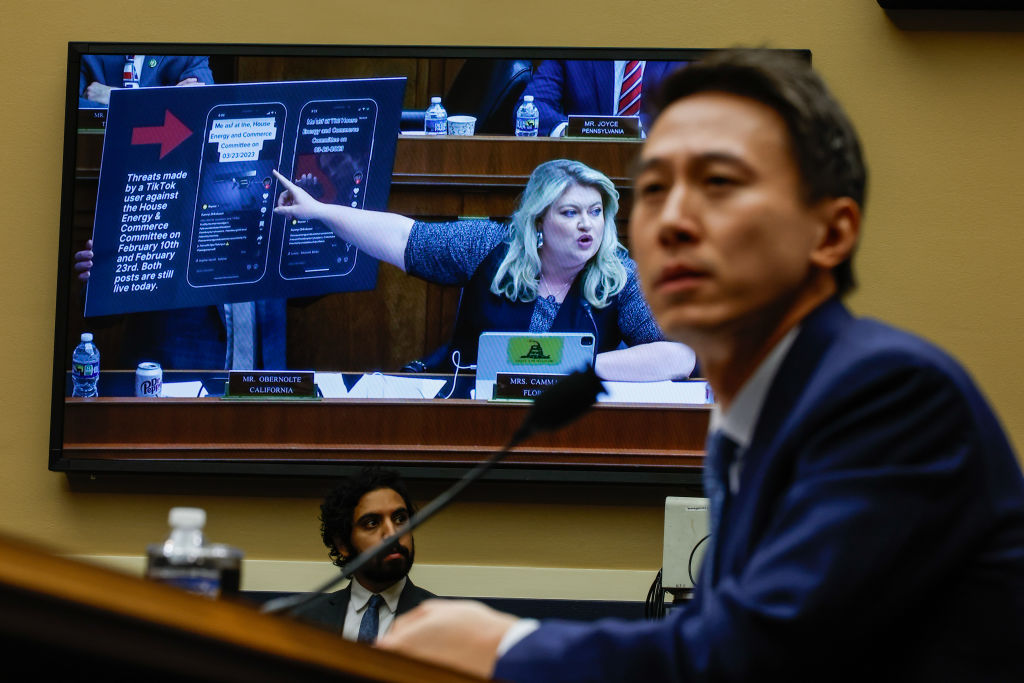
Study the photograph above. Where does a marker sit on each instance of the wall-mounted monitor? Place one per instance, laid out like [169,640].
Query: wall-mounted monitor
[173,252]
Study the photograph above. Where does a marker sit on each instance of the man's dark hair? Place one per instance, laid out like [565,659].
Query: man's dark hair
[339,506]
[823,141]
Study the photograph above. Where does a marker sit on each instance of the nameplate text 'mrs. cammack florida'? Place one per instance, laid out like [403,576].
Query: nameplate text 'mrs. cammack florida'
[522,385]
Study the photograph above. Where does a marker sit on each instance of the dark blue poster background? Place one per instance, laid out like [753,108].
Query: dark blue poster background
[184,212]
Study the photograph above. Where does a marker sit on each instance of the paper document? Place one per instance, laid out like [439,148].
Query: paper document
[687,393]
[332,384]
[183,389]
[386,386]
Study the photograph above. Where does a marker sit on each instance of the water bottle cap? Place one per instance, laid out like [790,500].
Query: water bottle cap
[87,336]
[189,518]
[435,100]
[528,98]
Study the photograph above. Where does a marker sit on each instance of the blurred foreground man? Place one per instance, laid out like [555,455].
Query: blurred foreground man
[362,511]
[867,511]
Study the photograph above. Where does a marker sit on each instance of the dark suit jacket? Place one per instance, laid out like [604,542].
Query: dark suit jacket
[329,610]
[196,338]
[878,534]
[566,86]
[109,70]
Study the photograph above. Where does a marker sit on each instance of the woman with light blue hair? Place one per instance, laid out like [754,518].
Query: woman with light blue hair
[520,274]
[558,267]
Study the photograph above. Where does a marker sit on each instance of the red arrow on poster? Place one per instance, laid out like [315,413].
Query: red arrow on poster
[168,136]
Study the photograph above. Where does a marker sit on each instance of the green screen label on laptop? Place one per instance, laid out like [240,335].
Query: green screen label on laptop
[535,350]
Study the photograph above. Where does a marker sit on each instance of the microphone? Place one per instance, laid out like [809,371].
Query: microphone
[557,406]
[560,404]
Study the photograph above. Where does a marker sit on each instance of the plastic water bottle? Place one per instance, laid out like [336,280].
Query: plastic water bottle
[185,559]
[527,118]
[436,120]
[85,367]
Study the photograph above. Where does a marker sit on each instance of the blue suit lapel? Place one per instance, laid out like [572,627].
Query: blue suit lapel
[148,74]
[744,517]
[654,73]
[408,599]
[817,332]
[339,606]
[604,85]
[113,70]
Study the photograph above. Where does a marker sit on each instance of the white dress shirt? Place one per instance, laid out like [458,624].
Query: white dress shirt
[741,419]
[357,603]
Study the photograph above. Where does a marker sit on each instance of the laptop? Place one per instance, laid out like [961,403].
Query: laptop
[528,360]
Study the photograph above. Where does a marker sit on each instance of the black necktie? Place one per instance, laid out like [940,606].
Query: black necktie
[370,622]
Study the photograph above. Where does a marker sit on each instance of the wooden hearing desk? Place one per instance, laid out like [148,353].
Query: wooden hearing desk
[106,432]
[65,619]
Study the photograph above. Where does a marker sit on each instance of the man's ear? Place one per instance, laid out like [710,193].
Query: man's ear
[840,230]
[343,550]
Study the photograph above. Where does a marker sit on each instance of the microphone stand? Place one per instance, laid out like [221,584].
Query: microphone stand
[557,406]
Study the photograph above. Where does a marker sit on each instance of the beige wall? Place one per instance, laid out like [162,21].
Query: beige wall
[940,114]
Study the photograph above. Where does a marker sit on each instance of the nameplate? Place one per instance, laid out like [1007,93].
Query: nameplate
[618,127]
[522,385]
[270,384]
[92,119]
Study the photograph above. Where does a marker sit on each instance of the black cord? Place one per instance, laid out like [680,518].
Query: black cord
[689,564]
[654,606]
[597,333]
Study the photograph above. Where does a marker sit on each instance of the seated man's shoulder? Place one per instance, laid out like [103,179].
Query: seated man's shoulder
[870,342]
[323,607]
[418,594]
[872,366]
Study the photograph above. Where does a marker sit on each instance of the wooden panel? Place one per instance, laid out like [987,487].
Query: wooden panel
[453,432]
[503,160]
[425,77]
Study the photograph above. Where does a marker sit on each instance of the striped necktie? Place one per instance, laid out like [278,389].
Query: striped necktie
[629,94]
[131,73]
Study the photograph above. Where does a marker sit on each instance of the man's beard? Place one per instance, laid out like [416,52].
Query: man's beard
[381,571]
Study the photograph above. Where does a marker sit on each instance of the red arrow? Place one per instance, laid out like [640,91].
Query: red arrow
[168,136]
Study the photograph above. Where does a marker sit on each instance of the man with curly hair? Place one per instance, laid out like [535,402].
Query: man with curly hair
[366,508]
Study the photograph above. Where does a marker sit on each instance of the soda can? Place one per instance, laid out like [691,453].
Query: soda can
[149,379]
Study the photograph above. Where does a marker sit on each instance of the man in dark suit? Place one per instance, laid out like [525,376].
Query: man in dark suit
[867,511]
[568,86]
[354,517]
[100,73]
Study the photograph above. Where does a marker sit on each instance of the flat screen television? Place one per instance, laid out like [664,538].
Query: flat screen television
[175,185]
